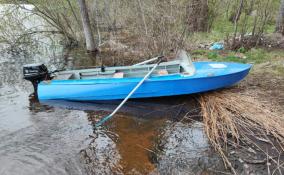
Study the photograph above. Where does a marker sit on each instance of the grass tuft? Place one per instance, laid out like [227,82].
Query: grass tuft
[231,117]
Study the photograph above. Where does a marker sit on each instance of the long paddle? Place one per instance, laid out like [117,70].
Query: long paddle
[104,119]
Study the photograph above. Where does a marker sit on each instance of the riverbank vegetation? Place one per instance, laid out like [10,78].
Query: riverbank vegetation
[157,27]
[245,122]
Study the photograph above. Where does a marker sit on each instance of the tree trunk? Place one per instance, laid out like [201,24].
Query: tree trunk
[90,42]
[235,15]
[238,14]
[197,16]
[280,19]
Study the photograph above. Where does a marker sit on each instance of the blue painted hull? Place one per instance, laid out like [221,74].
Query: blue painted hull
[206,78]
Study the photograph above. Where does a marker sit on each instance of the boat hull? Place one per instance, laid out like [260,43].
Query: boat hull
[207,78]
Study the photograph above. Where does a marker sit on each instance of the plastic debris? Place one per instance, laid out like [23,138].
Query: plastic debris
[217,46]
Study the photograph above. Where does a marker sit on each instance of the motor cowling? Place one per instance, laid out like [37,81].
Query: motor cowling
[35,73]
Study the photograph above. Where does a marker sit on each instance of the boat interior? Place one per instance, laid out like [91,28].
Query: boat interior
[182,65]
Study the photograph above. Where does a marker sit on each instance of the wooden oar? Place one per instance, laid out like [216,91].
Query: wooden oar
[104,119]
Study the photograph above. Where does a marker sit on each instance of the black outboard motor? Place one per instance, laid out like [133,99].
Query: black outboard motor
[35,73]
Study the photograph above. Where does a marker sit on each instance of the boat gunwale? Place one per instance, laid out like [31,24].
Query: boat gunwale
[82,98]
[162,78]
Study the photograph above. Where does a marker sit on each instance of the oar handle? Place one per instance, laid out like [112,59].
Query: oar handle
[160,59]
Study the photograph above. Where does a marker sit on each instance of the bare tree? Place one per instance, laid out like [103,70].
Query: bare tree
[197,16]
[90,42]
[143,16]
[280,19]
[236,21]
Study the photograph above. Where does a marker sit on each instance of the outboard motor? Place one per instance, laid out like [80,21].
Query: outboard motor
[35,73]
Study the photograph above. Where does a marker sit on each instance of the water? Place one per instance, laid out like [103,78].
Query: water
[58,137]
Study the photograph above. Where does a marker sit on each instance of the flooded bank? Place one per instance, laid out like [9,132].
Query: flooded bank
[154,136]
[58,137]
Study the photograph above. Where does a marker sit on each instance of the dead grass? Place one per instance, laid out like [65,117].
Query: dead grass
[236,117]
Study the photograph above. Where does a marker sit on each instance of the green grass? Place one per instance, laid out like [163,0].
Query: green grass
[222,27]
[254,56]
[258,55]
[279,69]
[230,57]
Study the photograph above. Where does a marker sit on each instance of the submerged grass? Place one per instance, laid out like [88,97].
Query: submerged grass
[235,118]
[250,116]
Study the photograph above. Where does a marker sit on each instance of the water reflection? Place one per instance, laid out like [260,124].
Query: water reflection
[168,107]
[144,138]
[35,106]
[40,141]
[185,150]
[57,137]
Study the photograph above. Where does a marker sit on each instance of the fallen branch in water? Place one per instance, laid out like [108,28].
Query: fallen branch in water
[260,161]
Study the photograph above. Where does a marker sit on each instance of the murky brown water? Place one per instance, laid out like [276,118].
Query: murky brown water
[58,137]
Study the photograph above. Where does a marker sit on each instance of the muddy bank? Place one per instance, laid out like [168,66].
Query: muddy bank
[267,80]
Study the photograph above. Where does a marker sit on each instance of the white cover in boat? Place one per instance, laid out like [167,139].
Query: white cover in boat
[186,62]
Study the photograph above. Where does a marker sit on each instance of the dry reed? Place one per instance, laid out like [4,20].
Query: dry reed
[234,117]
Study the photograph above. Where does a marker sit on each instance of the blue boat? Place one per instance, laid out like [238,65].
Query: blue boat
[177,77]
